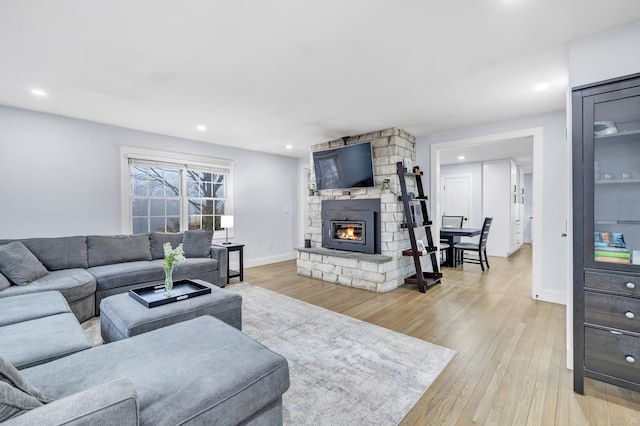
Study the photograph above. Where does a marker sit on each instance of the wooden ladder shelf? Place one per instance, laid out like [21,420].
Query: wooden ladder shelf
[422,279]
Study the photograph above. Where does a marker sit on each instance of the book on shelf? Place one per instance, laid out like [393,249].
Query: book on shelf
[614,249]
[613,260]
[623,255]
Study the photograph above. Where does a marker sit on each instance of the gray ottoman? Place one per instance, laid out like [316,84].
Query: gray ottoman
[121,316]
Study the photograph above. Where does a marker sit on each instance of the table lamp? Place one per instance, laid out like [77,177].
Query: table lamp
[226,222]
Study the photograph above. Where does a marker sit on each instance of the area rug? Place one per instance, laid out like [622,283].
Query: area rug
[343,371]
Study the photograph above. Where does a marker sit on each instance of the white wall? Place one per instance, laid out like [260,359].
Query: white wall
[603,56]
[528,207]
[61,176]
[555,189]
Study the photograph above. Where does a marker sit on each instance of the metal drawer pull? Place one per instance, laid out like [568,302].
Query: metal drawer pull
[630,285]
[629,315]
[630,359]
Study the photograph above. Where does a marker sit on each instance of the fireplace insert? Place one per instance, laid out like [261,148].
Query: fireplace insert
[352,231]
[351,225]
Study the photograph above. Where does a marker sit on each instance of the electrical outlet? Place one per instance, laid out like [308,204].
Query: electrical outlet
[269,245]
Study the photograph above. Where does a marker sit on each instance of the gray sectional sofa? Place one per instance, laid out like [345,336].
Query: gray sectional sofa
[86,269]
[200,371]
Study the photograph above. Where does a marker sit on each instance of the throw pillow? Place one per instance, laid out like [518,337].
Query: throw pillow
[11,376]
[19,265]
[59,252]
[157,239]
[4,282]
[109,249]
[197,243]
[14,402]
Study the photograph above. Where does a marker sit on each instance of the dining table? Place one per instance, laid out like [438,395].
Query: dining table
[452,236]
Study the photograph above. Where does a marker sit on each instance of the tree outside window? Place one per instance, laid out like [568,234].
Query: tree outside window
[174,198]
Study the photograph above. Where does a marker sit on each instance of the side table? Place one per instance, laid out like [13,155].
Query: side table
[231,247]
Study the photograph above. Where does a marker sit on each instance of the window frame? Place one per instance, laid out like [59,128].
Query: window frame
[176,159]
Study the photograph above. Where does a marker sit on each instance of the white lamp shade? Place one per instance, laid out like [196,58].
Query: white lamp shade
[226,221]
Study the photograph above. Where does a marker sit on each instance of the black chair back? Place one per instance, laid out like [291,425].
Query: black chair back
[484,235]
[452,221]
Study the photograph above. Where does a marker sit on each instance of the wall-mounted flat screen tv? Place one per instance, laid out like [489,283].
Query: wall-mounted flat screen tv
[349,166]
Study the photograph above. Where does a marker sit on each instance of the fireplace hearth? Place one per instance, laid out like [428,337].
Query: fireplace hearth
[351,225]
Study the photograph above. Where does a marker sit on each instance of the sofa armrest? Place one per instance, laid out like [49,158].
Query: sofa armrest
[110,404]
[221,255]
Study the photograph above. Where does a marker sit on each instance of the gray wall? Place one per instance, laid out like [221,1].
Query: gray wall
[61,176]
[603,56]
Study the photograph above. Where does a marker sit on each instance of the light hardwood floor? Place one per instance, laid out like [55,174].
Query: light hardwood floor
[510,368]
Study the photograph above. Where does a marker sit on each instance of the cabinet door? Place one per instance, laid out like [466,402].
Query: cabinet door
[611,134]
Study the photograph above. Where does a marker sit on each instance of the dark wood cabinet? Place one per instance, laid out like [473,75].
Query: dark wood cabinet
[606,225]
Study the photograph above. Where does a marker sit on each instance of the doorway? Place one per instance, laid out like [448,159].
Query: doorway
[535,134]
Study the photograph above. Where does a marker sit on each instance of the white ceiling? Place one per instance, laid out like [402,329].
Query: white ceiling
[519,150]
[263,74]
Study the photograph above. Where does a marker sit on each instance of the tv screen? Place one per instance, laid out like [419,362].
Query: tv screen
[349,166]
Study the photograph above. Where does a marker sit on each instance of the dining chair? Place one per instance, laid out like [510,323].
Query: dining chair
[452,221]
[480,247]
[443,252]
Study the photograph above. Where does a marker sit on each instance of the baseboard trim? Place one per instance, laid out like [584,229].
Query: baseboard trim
[248,263]
[553,296]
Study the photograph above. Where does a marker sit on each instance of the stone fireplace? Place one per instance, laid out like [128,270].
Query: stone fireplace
[341,250]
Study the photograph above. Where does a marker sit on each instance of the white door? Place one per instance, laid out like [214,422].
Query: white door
[456,197]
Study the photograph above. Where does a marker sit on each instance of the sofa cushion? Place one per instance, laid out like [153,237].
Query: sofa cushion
[128,273]
[74,284]
[157,239]
[19,265]
[4,282]
[145,272]
[197,243]
[215,372]
[59,253]
[14,402]
[42,340]
[26,307]
[10,375]
[106,250]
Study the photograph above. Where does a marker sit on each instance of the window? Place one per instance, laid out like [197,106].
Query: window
[171,196]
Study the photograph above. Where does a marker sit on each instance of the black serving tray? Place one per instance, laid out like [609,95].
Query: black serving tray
[153,296]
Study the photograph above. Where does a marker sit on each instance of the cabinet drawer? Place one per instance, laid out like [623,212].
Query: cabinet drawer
[616,355]
[612,311]
[627,284]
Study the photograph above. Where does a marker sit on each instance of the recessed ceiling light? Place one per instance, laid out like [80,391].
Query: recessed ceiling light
[461,157]
[541,87]
[289,146]
[38,92]
[202,128]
